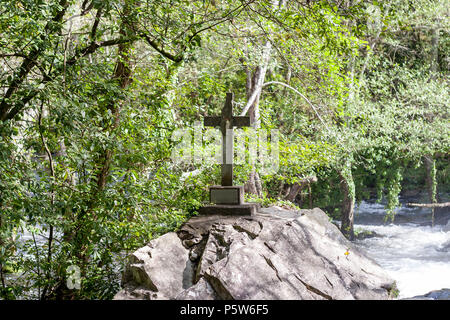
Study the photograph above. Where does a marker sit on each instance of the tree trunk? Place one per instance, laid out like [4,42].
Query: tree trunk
[430,179]
[254,182]
[434,52]
[2,279]
[254,88]
[293,192]
[348,204]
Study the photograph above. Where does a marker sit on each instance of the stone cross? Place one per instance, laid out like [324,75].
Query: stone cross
[226,122]
[228,199]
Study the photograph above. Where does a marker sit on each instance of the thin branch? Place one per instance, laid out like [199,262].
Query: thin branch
[98,17]
[26,66]
[165,54]
[82,52]
[38,263]
[52,199]
[2,278]
[6,55]
[254,94]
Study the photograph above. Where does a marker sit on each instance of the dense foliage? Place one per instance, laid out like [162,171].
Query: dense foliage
[92,93]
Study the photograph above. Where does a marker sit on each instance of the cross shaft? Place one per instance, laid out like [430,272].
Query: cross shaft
[226,122]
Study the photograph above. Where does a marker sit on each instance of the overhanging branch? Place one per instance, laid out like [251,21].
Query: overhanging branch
[255,93]
[80,53]
[165,54]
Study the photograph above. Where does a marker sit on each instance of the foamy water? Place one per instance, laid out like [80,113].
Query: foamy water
[416,255]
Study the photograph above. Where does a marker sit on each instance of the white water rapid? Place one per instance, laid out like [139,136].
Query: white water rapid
[413,252]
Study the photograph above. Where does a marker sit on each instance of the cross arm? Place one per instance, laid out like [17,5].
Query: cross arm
[212,121]
[241,122]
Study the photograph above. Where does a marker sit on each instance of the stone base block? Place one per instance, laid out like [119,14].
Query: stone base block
[246,209]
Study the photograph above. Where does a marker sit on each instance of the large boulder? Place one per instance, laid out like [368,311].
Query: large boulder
[275,254]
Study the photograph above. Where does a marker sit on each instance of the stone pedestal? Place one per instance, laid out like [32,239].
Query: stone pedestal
[228,200]
[226,195]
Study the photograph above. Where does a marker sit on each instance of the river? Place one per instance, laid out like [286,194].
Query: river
[414,253]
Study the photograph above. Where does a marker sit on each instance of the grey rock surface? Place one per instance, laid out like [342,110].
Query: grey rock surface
[274,254]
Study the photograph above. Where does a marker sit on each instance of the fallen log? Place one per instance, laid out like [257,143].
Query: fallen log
[298,186]
[429,205]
